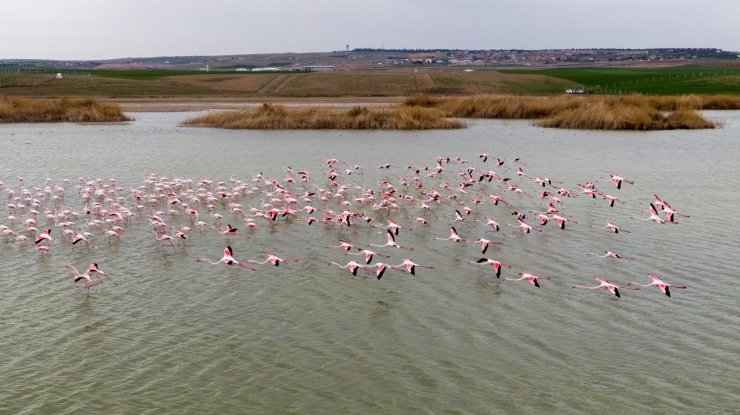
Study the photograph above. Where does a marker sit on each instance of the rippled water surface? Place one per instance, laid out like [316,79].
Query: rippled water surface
[176,336]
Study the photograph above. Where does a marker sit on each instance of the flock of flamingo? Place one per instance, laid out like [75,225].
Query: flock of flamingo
[478,195]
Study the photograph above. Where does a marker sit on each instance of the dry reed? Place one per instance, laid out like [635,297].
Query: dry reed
[16,110]
[633,112]
[270,117]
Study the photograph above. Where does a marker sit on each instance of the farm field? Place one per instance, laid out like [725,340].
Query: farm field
[159,84]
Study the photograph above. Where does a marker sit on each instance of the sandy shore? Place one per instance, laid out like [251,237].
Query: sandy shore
[191,104]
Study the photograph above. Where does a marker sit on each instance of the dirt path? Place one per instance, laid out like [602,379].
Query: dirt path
[276,84]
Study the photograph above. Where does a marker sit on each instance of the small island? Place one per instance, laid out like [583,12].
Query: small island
[424,112]
[26,110]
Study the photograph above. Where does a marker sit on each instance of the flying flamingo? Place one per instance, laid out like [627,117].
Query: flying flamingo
[609,254]
[93,269]
[496,265]
[380,268]
[274,260]
[368,254]
[529,277]
[614,289]
[453,236]
[227,259]
[353,266]
[656,281]
[484,244]
[668,210]
[561,220]
[44,236]
[392,242]
[653,216]
[410,266]
[611,200]
[525,228]
[619,179]
[77,277]
[612,227]
[342,244]
[490,221]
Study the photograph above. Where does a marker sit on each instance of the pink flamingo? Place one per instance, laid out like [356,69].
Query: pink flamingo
[342,244]
[612,199]
[77,277]
[274,260]
[368,254]
[524,227]
[44,236]
[353,266]
[656,281]
[484,244]
[490,221]
[529,277]
[380,268]
[392,242]
[496,265]
[612,227]
[619,179]
[614,289]
[227,259]
[653,216]
[561,220]
[609,254]
[410,266]
[453,236]
[93,269]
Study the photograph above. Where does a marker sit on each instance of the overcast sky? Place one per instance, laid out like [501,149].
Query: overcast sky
[99,29]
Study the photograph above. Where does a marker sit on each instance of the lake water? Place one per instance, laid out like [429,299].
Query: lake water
[176,336]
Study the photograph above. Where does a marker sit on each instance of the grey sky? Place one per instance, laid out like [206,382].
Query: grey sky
[99,29]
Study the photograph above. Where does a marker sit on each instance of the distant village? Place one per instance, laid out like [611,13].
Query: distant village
[364,58]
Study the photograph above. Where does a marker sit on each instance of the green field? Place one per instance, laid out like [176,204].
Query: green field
[448,81]
[677,80]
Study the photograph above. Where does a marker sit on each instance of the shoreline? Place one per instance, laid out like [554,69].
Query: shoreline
[191,104]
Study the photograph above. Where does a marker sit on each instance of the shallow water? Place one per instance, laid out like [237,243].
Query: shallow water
[176,336]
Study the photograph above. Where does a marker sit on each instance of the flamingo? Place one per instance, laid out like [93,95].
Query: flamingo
[342,244]
[612,227]
[410,266]
[274,260]
[484,244]
[227,259]
[77,277]
[353,266]
[380,268]
[490,221]
[392,243]
[561,220]
[656,281]
[529,277]
[653,216]
[93,269]
[44,236]
[453,236]
[525,228]
[614,289]
[368,254]
[619,179]
[496,264]
[609,254]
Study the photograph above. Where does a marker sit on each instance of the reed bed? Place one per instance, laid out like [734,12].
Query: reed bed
[633,112]
[275,117]
[16,110]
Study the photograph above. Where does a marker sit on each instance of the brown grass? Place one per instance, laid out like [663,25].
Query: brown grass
[14,110]
[273,117]
[634,112]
